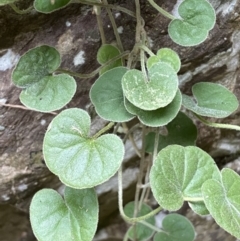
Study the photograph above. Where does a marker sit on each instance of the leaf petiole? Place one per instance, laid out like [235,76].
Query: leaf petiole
[162,11]
[217,125]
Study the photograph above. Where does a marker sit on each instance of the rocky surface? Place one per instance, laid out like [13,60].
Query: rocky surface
[73,31]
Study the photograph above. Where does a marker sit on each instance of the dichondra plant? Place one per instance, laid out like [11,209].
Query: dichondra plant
[179,171]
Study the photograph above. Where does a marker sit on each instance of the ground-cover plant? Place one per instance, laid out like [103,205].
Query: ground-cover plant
[179,171]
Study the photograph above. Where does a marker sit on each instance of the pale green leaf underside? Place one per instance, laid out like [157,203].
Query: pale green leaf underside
[159,117]
[107,96]
[143,233]
[50,93]
[222,199]
[212,100]
[176,228]
[198,18]
[79,160]
[47,6]
[73,218]
[181,130]
[158,92]
[167,56]
[178,174]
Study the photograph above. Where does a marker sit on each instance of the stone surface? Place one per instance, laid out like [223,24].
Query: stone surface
[73,31]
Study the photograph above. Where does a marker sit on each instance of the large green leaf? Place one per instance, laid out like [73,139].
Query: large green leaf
[79,160]
[73,218]
[142,232]
[212,100]
[105,53]
[48,6]
[178,173]
[43,91]
[167,56]
[159,117]
[197,19]
[107,96]
[176,228]
[222,199]
[156,93]
[181,131]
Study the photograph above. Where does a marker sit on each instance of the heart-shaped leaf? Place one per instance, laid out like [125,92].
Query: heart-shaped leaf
[176,228]
[142,232]
[167,56]
[105,53]
[73,218]
[47,6]
[43,91]
[159,117]
[181,131]
[222,199]
[4,2]
[178,173]
[80,161]
[107,96]
[198,18]
[153,94]
[213,100]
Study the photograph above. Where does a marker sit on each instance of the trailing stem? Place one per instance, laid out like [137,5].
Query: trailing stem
[120,204]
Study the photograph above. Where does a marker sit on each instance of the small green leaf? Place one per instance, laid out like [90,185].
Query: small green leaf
[181,131]
[80,161]
[178,173]
[73,218]
[153,94]
[142,232]
[43,91]
[5,2]
[159,117]
[213,100]
[107,96]
[48,6]
[50,93]
[222,199]
[105,53]
[198,18]
[176,228]
[167,56]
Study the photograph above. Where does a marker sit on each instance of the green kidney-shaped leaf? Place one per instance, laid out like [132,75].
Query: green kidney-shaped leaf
[34,65]
[107,96]
[50,93]
[105,53]
[43,91]
[80,161]
[142,232]
[181,131]
[153,94]
[222,199]
[178,173]
[4,2]
[48,6]
[159,117]
[176,228]
[73,218]
[198,18]
[213,100]
[167,56]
